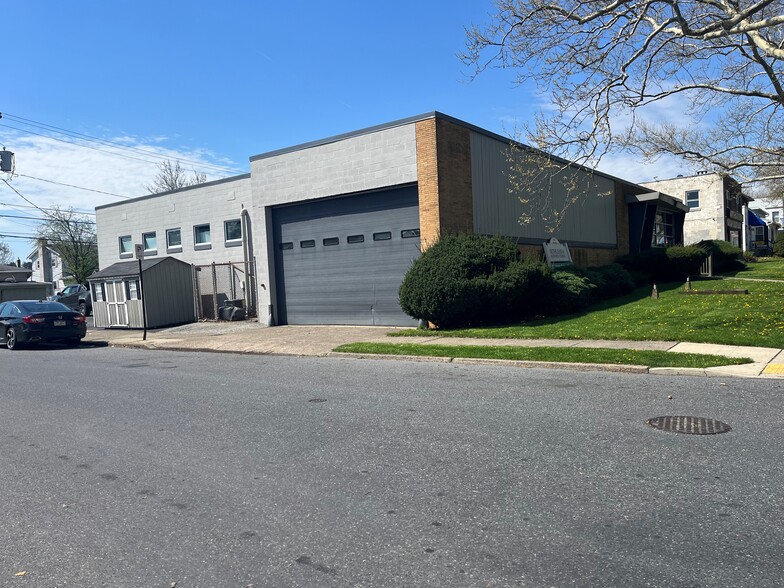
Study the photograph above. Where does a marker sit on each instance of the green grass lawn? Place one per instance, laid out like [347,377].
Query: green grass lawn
[555,354]
[766,268]
[756,319]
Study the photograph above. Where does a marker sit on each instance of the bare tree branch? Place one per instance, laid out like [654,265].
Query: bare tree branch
[171,176]
[72,237]
[605,61]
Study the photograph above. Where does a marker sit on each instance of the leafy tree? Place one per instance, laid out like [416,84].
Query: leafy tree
[72,237]
[605,61]
[171,176]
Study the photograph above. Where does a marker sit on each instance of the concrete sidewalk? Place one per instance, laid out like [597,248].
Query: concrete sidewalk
[255,338]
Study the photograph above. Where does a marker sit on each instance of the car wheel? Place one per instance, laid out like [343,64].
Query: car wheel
[83,308]
[10,339]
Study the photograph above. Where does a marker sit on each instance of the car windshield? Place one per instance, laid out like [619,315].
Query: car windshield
[42,306]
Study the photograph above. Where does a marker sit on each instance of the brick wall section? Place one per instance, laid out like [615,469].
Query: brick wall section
[444,179]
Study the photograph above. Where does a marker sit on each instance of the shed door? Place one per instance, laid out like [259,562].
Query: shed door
[115,303]
[341,261]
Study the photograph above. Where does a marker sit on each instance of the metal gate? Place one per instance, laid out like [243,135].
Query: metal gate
[224,284]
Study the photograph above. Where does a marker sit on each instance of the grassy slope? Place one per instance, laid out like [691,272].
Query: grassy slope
[756,319]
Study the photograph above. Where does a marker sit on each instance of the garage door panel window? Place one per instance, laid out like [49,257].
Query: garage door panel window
[307,244]
[201,237]
[331,241]
[352,239]
[126,246]
[286,246]
[409,233]
[173,240]
[382,236]
[233,232]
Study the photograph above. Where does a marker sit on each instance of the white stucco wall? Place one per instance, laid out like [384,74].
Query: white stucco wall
[708,220]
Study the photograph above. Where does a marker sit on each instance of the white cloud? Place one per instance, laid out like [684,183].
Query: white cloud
[111,171]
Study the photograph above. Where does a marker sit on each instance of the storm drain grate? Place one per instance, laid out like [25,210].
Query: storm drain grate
[689,425]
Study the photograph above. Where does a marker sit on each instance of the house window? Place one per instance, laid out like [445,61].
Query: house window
[201,237]
[232,230]
[693,198]
[126,246]
[150,243]
[173,240]
[133,289]
[663,230]
[98,293]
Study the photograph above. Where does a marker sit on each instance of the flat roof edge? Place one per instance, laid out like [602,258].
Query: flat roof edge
[185,189]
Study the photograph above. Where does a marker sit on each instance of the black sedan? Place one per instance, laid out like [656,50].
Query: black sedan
[35,321]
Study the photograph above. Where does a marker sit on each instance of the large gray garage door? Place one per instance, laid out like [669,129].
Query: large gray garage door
[341,261]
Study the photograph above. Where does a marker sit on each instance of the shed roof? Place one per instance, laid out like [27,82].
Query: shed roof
[123,269]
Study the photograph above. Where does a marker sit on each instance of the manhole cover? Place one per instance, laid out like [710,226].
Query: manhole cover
[689,425]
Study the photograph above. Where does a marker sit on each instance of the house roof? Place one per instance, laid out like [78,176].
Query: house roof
[124,269]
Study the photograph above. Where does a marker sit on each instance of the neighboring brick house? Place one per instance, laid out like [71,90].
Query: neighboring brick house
[333,225]
[715,204]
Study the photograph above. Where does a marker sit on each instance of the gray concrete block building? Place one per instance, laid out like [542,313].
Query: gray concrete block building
[330,227]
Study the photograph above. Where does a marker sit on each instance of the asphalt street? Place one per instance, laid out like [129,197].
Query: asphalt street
[129,467]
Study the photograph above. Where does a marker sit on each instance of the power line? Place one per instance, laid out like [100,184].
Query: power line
[18,193]
[40,208]
[73,186]
[136,150]
[44,219]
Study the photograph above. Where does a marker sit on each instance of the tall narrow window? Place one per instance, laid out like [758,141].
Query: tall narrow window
[233,232]
[150,243]
[663,229]
[201,237]
[173,240]
[126,246]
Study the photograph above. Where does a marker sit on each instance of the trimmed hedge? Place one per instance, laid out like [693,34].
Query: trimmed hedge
[726,256]
[464,280]
[778,247]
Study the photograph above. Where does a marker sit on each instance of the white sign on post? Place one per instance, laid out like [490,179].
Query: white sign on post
[138,251]
[556,253]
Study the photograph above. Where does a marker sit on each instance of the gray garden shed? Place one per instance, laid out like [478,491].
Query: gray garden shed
[168,294]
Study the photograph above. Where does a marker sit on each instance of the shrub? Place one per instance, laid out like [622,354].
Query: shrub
[569,293]
[454,282]
[726,256]
[646,266]
[778,247]
[519,291]
[683,262]
[616,281]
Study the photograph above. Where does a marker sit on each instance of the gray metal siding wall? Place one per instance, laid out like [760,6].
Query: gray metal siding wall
[168,289]
[346,283]
[497,211]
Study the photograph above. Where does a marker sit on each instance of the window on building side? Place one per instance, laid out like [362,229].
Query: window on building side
[173,240]
[775,216]
[201,237]
[663,229]
[126,246]
[150,243]
[133,290]
[693,198]
[233,232]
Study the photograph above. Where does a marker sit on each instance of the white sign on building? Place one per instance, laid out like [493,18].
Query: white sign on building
[556,253]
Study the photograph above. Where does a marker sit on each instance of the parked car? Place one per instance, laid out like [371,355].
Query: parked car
[36,321]
[77,297]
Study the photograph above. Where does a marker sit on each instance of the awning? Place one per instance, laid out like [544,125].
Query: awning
[754,220]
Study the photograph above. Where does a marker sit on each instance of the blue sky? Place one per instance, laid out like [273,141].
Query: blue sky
[215,83]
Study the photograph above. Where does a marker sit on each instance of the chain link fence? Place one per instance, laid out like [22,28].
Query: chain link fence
[224,284]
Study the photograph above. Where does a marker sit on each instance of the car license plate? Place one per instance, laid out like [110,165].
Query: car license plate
[59,323]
